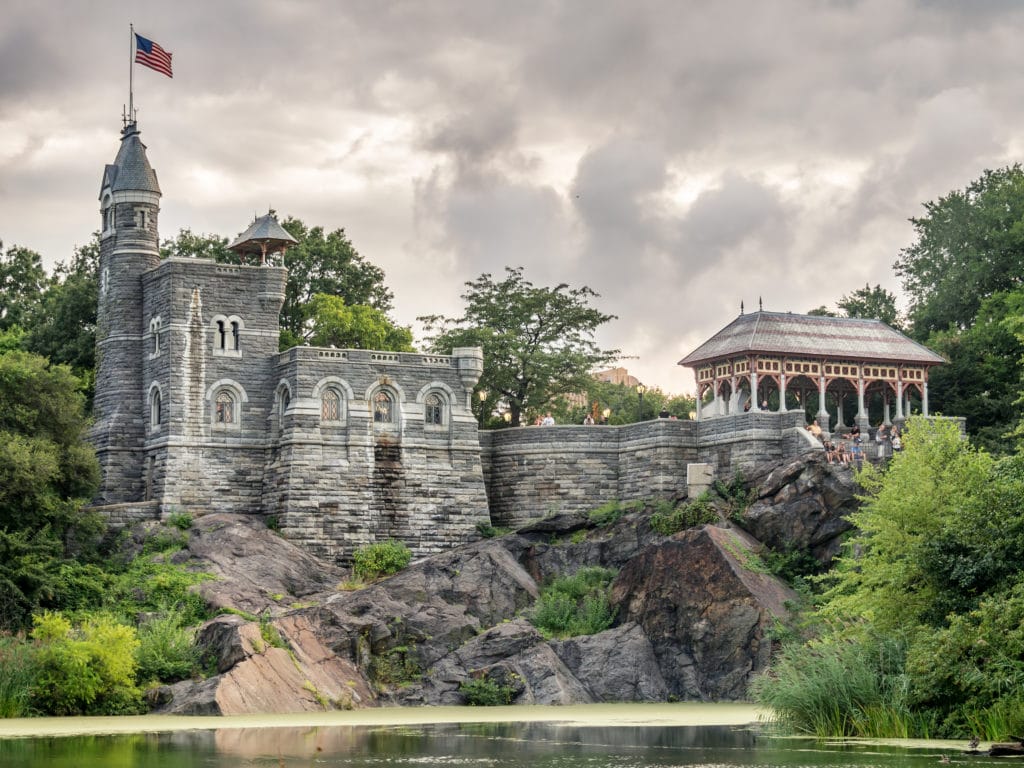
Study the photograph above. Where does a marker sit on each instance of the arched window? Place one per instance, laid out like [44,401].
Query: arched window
[221,340]
[156,415]
[383,407]
[235,335]
[330,405]
[284,399]
[224,408]
[155,326]
[434,410]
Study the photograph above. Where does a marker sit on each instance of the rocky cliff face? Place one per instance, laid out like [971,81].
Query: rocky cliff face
[694,610]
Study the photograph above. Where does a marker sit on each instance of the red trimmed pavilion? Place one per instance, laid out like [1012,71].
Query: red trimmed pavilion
[792,360]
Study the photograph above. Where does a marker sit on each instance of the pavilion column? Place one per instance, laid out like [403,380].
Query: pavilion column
[734,404]
[822,409]
[840,407]
[700,399]
[782,393]
[899,401]
[715,401]
[754,404]
[862,414]
[885,407]
[924,399]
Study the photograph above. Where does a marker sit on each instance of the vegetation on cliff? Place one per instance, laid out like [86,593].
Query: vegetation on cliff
[917,629]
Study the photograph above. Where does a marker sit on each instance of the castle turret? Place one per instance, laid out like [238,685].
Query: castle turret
[129,246]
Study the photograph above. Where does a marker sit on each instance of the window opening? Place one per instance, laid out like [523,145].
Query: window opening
[234,336]
[330,406]
[156,407]
[434,410]
[221,336]
[383,408]
[225,408]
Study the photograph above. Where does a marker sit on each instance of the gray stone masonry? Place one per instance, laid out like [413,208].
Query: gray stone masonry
[534,471]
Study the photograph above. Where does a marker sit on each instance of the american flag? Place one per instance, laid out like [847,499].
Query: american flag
[152,55]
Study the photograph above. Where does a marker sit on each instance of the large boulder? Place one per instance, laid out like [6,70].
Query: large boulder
[802,505]
[706,606]
[255,569]
[618,664]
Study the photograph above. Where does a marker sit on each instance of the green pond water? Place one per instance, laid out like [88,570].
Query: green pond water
[466,745]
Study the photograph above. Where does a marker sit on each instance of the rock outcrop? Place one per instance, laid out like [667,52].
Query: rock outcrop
[694,611]
[802,505]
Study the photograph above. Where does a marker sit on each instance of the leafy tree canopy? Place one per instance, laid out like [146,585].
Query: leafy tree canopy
[334,323]
[867,302]
[538,341]
[22,282]
[871,303]
[969,246]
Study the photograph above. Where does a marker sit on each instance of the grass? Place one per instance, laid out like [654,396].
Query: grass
[18,673]
[838,688]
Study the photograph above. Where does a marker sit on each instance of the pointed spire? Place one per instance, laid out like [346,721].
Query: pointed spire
[741,306]
[130,170]
[760,305]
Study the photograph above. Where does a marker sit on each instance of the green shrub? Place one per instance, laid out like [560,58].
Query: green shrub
[668,519]
[167,651]
[575,605]
[271,636]
[488,531]
[18,673]
[607,514]
[273,522]
[380,559]
[485,692]
[180,520]
[86,670]
[396,667]
[735,495]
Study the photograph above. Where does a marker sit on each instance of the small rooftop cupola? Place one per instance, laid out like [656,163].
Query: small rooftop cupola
[265,237]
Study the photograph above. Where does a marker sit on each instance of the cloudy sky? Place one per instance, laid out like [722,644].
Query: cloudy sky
[677,157]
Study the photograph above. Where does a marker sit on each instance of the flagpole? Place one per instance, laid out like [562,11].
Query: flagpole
[131,74]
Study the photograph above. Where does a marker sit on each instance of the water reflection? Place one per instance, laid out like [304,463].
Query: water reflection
[481,745]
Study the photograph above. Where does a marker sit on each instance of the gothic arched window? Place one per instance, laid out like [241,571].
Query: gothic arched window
[224,408]
[434,409]
[155,408]
[383,407]
[330,405]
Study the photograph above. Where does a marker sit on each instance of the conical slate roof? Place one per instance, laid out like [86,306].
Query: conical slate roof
[131,169]
[265,232]
[812,336]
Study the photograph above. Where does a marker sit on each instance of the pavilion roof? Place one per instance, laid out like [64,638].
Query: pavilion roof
[783,333]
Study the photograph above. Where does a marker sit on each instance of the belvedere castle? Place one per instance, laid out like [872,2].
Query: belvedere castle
[196,410]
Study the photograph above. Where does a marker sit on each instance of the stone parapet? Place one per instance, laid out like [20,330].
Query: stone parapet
[531,472]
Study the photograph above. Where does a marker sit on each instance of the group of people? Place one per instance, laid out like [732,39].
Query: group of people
[849,449]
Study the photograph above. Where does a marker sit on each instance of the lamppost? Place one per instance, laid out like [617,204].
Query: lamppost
[640,389]
[482,395]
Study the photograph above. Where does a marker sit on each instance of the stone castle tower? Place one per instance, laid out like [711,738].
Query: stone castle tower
[196,409]
[129,206]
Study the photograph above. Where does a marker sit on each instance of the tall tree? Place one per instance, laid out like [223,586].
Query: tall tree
[63,327]
[970,245]
[871,303]
[538,342]
[22,282]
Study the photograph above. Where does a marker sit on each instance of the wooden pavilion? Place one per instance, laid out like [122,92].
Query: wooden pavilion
[781,361]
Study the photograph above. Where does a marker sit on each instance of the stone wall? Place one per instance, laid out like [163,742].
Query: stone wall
[337,484]
[533,471]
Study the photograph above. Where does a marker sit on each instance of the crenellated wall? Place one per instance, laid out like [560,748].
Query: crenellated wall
[533,471]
